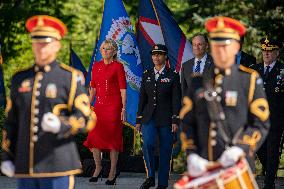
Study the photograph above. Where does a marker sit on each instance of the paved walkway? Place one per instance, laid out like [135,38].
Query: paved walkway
[125,181]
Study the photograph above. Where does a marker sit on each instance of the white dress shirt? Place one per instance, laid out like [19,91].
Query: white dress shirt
[270,66]
[158,73]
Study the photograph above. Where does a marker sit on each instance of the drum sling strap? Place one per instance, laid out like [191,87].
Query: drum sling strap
[216,113]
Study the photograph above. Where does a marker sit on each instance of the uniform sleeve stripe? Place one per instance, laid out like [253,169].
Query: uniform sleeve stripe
[252,86]
[73,86]
[72,93]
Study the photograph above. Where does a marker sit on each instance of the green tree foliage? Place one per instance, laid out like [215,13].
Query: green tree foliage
[261,17]
[83,19]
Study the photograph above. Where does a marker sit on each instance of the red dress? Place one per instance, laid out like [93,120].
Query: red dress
[107,79]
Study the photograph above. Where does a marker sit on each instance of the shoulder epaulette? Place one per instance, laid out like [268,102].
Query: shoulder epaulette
[248,70]
[23,70]
[68,68]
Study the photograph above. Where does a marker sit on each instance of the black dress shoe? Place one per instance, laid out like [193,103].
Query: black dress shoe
[95,179]
[161,187]
[111,182]
[149,182]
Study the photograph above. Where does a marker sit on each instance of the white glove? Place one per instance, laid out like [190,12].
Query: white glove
[196,165]
[8,168]
[231,156]
[50,123]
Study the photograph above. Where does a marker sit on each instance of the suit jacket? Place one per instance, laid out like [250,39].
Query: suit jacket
[34,92]
[274,89]
[187,71]
[245,107]
[247,60]
[159,100]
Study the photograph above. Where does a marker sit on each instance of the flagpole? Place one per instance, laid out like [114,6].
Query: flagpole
[153,5]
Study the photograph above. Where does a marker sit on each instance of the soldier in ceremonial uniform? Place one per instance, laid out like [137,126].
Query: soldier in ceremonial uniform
[157,116]
[48,106]
[244,112]
[272,73]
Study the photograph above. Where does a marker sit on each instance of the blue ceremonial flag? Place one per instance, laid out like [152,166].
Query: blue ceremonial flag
[2,87]
[75,62]
[117,26]
[157,25]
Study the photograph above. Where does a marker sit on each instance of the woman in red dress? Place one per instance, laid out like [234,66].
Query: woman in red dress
[108,86]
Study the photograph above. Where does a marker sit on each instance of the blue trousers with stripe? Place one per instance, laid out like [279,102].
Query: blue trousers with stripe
[149,134]
[64,182]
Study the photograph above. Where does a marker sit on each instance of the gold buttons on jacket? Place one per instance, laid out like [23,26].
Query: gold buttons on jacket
[36,111]
[37,93]
[219,79]
[35,103]
[35,138]
[38,85]
[218,90]
[218,98]
[36,120]
[213,142]
[40,77]
[35,129]
[213,133]
[47,68]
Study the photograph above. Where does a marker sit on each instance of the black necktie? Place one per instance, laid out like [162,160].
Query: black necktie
[266,72]
[197,67]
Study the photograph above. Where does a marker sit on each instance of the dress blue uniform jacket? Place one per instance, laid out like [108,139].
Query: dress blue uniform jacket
[53,88]
[274,89]
[241,95]
[159,99]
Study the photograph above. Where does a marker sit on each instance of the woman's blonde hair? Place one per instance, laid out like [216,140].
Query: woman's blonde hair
[112,43]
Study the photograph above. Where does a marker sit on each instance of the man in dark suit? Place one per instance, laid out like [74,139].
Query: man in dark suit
[272,72]
[243,58]
[157,115]
[200,64]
